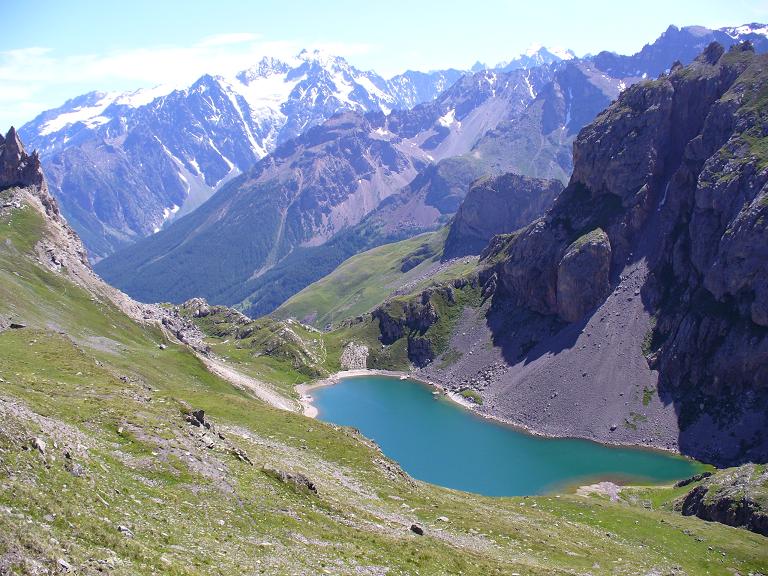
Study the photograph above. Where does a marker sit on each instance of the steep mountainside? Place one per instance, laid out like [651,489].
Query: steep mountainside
[497,206]
[310,189]
[125,451]
[124,164]
[634,310]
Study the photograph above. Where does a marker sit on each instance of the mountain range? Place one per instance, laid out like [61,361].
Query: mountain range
[124,164]
[522,121]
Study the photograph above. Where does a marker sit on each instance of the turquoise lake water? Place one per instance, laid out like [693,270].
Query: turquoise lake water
[440,442]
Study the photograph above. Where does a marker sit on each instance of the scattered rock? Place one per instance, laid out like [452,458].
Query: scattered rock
[354,357]
[241,455]
[125,531]
[416,529]
[40,445]
[295,479]
[197,418]
[63,565]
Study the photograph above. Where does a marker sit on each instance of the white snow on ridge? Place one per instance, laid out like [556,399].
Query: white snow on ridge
[531,91]
[143,96]
[90,115]
[533,49]
[738,31]
[375,93]
[167,213]
[562,53]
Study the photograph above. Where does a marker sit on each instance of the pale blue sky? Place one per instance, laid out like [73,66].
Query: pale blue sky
[51,50]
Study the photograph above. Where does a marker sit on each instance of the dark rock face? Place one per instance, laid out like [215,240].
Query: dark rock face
[674,171]
[692,479]
[420,350]
[582,275]
[736,497]
[497,206]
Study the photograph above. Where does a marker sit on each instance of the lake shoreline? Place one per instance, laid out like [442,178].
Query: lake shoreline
[310,410]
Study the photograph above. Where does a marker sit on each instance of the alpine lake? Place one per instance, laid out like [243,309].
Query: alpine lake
[436,440]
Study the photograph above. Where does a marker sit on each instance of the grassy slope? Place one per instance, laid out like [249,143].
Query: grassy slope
[199,510]
[365,280]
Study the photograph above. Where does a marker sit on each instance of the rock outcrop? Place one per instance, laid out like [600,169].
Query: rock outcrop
[17,168]
[497,205]
[582,275]
[410,317]
[736,497]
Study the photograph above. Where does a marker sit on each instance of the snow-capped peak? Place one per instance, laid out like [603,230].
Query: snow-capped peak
[267,66]
[322,58]
[541,51]
[533,49]
[536,55]
[746,29]
[89,110]
[562,53]
[144,96]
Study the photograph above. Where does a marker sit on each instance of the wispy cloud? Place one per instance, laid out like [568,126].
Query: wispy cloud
[37,78]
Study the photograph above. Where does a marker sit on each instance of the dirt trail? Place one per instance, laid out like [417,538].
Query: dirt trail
[260,390]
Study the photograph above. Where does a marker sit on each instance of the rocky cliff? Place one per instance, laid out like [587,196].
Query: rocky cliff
[497,205]
[17,168]
[674,173]
[634,309]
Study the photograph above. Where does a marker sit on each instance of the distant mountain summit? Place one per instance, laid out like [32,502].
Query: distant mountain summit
[686,43]
[537,55]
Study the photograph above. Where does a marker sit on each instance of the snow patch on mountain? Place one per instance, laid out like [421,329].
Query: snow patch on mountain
[90,115]
[449,118]
[739,31]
